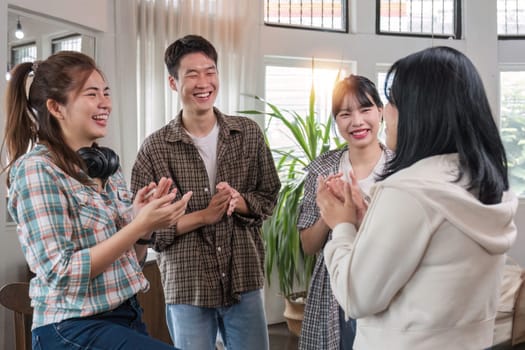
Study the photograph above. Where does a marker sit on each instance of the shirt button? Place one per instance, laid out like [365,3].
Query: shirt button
[206,189]
[219,249]
[223,274]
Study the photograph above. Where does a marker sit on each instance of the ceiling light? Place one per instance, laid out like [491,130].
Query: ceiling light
[19,33]
[8,74]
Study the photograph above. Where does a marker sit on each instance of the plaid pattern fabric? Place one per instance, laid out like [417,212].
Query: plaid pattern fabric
[212,265]
[59,219]
[321,329]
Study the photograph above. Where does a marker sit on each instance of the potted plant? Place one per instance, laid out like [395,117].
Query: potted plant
[283,245]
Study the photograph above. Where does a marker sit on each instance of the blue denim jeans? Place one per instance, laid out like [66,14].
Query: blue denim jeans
[242,325]
[347,331]
[121,328]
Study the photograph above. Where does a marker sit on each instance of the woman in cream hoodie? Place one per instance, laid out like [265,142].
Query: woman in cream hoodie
[423,268]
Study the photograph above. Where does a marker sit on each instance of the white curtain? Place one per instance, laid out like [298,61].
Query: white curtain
[227,24]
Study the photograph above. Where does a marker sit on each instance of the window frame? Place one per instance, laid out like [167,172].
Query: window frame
[58,39]
[381,68]
[345,18]
[509,37]
[458,32]
[502,68]
[12,62]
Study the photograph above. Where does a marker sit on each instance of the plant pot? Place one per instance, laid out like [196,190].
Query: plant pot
[294,311]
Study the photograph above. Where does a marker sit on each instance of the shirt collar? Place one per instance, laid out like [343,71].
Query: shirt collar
[176,132]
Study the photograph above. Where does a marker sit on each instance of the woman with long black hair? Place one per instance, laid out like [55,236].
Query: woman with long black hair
[423,268]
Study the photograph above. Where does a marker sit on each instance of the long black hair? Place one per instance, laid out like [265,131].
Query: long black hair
[443,108]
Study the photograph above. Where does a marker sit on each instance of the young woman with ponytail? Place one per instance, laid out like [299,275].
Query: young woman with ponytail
[80,232]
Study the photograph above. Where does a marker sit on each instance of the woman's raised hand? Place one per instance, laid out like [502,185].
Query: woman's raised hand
[333,210]
[154,207]
[359,198]
[335,184]
[162,212]
[150,192]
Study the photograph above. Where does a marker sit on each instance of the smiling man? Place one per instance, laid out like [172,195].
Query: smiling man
[212,261]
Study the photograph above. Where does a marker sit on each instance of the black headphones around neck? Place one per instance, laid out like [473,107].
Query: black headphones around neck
[101,162]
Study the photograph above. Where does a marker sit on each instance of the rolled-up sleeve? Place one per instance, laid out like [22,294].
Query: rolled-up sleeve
[40,207]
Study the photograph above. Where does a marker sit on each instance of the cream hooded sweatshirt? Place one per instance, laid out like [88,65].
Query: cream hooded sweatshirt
[423,271]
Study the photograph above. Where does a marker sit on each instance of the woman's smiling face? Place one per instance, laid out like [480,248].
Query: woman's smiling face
[358,125]
[84,118]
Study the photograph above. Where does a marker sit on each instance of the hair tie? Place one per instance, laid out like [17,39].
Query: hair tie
[31,76]
[35,66]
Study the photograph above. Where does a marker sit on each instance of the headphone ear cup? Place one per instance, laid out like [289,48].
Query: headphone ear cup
[95,161]
[112,161]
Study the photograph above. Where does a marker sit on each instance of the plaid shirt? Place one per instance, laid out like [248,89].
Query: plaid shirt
[320,328]
[211,266]
[59,219]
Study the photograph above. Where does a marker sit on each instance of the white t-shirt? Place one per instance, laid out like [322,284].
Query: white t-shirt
[365,184]
[207,147]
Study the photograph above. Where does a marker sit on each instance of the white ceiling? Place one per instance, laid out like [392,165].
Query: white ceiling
[33,27]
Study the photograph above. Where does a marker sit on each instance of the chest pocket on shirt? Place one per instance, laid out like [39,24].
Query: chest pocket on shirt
[124,197]
[124,207]
[94,216]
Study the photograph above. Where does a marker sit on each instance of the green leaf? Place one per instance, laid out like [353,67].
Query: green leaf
[281,236]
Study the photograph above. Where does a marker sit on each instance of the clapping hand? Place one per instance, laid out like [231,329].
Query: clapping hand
[335,184]
[154,205]
[150,192]
[333,210]
[360,199]
[220,204]
[234,199]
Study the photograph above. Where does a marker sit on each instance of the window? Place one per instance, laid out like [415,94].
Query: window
[330,15]
[512,125]
[19,54]
[380,85]
[23,53]
[511,19]
[288,83]
[71,43]
[428,18]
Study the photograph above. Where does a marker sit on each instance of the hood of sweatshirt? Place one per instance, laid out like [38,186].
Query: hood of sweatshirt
[432,182]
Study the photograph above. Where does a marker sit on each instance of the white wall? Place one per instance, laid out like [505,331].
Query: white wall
[91,14]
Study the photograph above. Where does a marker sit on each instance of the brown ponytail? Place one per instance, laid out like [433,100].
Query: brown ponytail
[20,132]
